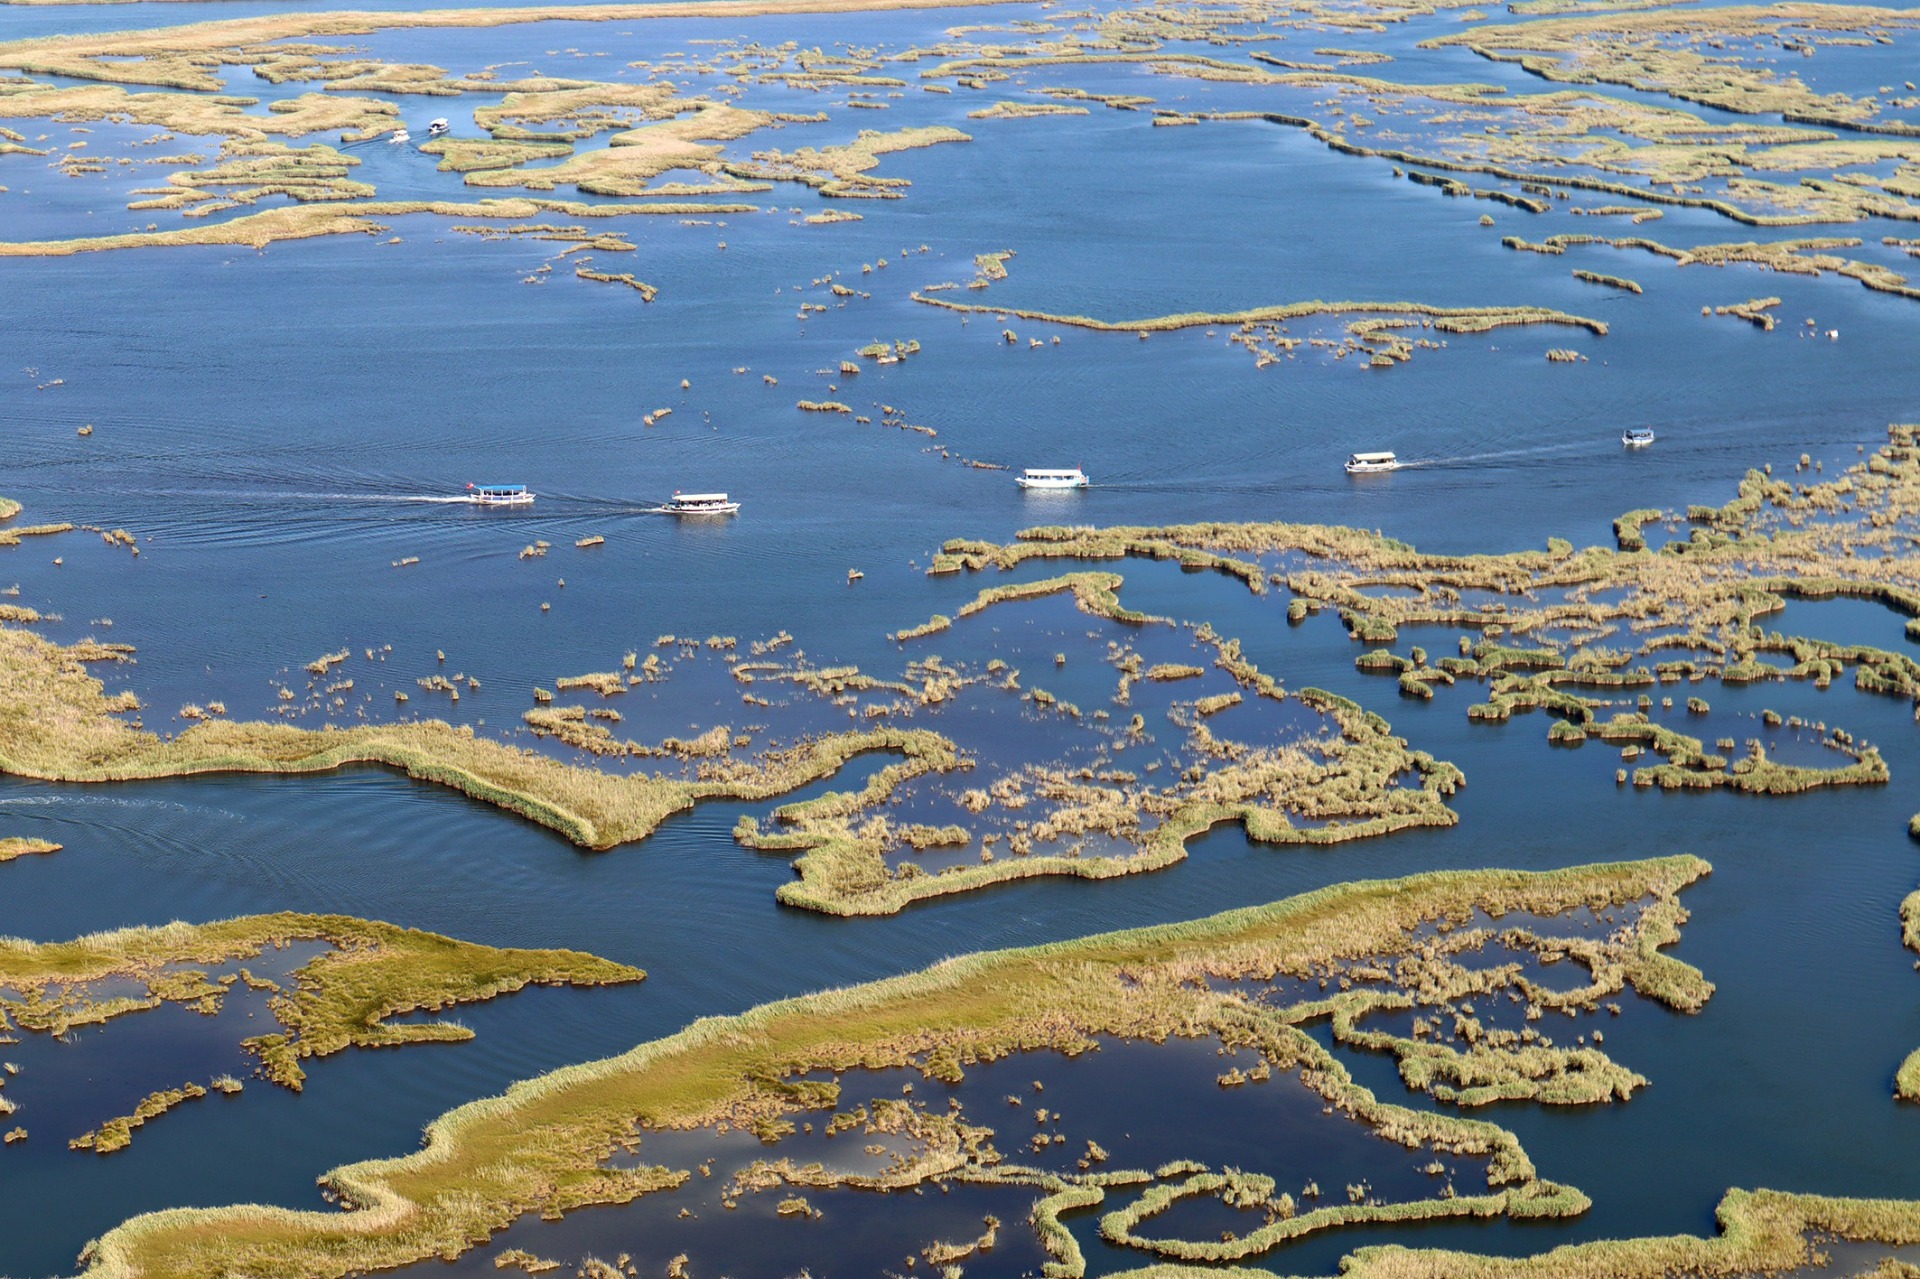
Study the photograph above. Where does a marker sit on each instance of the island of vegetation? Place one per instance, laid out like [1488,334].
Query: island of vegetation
[58,723]
[1252,980]
[366,974]
[1340,780]
[1569,632]
[24,846]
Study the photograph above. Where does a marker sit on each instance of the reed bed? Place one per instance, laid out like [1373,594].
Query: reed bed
[1024,111]
[117,1133]
[1341,784]
[540,1146]
[1610,281]
[1658,52]
[342,998]
[1445,319]
[15,846]
[1093,593]
[300,222]
[1754,311]
[1772,542]
[57,723]
[646,291]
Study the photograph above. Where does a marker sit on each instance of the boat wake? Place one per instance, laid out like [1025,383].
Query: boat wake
[1503,455]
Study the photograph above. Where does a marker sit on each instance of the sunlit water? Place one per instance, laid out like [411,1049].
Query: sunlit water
[277,429]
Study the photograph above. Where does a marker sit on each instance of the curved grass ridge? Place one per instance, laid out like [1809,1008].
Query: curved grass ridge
[300,222]
[11,537]
[1093,592]
[1446,319]
[539,1146]
[57,724]
[1761,1232]
[342,998]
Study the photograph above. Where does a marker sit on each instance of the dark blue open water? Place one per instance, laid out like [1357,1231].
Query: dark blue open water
[259,417]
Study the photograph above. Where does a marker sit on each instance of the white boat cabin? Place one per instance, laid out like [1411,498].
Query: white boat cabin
[701,504]
[1043,478]
[1367,463]
[499,495]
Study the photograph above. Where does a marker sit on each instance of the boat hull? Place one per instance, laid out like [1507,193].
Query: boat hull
[1371,468]
[728,508]
[1057,486]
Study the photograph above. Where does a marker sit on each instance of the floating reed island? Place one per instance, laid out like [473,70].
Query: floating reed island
[1567,139]
[1251,981]
[344,997]
[1548,143]
[12,534]
[1345,776]
[15,846]
[58,723]
[1788,257]
[1568,631]
[1383,337]
[1337,781]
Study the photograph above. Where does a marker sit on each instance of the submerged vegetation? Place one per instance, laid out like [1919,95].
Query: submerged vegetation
[1244,979]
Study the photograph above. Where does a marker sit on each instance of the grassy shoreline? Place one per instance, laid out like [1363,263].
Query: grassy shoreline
[58,724]
[539,1146]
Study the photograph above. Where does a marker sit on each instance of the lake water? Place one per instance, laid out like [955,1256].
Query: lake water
[266,423]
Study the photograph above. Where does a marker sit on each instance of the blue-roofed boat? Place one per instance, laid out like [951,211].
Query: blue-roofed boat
[499,495]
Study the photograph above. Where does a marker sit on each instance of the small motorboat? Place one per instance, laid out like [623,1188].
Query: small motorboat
[1637,437]
[499,495]
[439,128]
[1052,480]
[1371,463]
[700,504]
[400,135]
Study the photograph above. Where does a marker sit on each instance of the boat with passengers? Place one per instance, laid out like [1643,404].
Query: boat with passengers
[1044,479]
[700,504]
[499,495]
[1637,437]
[1371,463]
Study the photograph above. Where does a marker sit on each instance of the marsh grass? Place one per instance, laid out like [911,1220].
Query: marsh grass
[343,998]
[540,1146]
[21,846]
[57,723]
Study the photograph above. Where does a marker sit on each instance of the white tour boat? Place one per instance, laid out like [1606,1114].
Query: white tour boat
[1637,437]
[700,504]
[1370,463]
[1033,478]
[499,495]
[400,135]
[439,127]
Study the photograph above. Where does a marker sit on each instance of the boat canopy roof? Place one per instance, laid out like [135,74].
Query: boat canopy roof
[1372,457]
[686,499]
[1043,473]
[498,488]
